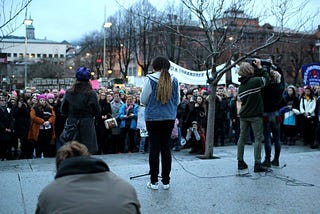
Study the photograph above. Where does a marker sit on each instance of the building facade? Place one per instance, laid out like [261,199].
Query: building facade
[22,51]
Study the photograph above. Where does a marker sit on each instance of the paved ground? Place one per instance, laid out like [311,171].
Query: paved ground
[197,186]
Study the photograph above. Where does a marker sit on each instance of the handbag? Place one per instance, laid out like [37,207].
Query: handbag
[110,123]
[69,132]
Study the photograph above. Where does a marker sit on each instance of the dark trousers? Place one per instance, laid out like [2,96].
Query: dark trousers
[4,149]
[308,130]
[160,136]
[130,145]
[43,143]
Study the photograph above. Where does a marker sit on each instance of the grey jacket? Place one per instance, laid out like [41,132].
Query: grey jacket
[85,185]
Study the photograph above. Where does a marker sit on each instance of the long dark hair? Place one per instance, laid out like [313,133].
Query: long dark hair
[81,87]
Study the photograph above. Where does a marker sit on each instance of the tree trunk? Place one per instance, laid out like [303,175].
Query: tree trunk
[210,123]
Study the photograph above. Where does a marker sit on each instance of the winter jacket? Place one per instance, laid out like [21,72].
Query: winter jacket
[82,109]
[289,115]
[38,117]
[6,122]
[272,96]
[80,105]
[308,106]
[155,111]
[22,119]
[122,113]
[250,94]
[86,185]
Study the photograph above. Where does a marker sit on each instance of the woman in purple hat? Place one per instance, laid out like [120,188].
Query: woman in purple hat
[80,104]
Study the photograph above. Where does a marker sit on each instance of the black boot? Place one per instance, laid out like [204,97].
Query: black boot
[314,146]
[259,168]
[266,163]
[275,162]
[242,165]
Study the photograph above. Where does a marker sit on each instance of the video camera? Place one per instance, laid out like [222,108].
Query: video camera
[266,63]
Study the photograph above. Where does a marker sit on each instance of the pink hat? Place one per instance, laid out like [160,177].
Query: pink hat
[50,96]
[41,96]
[61,93]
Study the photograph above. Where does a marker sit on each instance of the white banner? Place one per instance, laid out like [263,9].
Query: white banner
[193,77]
[235,75]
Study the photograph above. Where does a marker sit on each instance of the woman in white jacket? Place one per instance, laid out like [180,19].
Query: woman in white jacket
[307,109]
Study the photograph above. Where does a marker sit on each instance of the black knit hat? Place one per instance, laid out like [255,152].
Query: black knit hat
[160,63]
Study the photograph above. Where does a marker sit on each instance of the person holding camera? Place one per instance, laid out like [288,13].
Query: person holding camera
[252,79]
[273,101]
[195,138]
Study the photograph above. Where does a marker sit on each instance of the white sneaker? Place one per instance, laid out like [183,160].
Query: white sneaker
[154,186]
[166,186]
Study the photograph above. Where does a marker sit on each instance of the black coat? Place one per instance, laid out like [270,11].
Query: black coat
[6,122]
[22,119]
[83,109]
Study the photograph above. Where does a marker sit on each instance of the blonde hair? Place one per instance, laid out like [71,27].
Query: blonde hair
[70,149]
[246,69]
[164,87]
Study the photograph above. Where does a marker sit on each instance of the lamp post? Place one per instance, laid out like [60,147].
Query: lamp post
[105,26]
[26,22]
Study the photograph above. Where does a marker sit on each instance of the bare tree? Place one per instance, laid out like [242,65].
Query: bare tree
[11,16]
[218,27]
[124,39]
[145,39]
[91,49]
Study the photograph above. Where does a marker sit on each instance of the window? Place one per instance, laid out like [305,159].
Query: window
[44,55]
[15,55]
[50,55]
[9,55]
[56,56]
[61,56]
[38,55]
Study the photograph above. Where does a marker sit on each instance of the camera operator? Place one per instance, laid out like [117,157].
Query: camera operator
[253,77]
[272,100]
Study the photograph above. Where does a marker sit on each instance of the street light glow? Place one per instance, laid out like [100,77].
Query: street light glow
[107,24]
[27,21]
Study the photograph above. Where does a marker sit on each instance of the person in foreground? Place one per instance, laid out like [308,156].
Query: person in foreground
[161,96]
[252,80]
[84,184]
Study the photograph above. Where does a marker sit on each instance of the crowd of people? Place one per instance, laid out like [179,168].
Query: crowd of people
[31,122]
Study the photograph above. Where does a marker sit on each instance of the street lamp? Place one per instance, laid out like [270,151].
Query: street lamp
[26,22]
[105,26]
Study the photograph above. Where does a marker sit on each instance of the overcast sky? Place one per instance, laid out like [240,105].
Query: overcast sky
[69,20]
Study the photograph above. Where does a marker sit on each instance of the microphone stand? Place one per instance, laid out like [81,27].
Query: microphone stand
[138,176]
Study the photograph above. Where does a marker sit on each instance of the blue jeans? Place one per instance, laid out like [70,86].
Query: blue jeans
[271,125]
[160,136]
[142,143]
